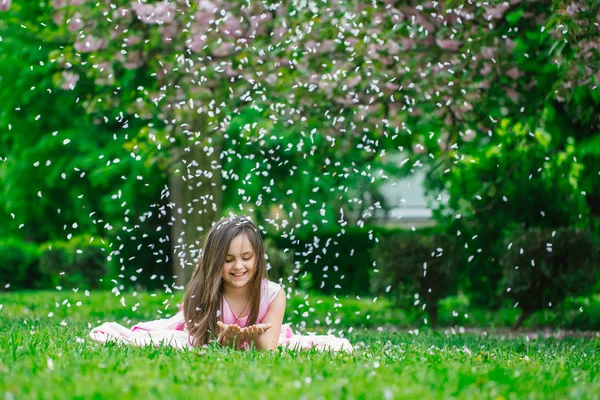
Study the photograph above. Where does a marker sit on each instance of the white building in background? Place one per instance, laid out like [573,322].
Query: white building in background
[407,201]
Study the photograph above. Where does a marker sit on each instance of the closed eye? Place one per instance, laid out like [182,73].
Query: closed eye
[245,259]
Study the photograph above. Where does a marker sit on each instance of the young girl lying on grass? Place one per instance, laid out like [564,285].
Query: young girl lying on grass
[228,299]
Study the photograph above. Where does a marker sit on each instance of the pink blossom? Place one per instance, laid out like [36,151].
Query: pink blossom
[89,45]
[271,79]
[202,18]
[5,5]
[573,9]
[512,93]
[513,73]
[557,35]
[222,49]
[442,144]
[326,87]
[393,47]
[229,71]
[198,33]
[59,3]
[510,44]
[169,32]
[75,24]
[281,12]
[280,31]
[345,101]
[260,22]
[353,81]
[540,19]
[282,62]
[63,3]
[495,12]
[70,79]
[117,31]
[311,46]
[121,12]
[468,136]
[196,43]
[327,46]
[391,86]
[448,44]
[352,41]
[105,74]
[158,13]
[487,68]
[231,26]
[58,17]
[407,43]
[424,22]
[131,40]
[418,148]
[488,52]
[133,60]
[448,120]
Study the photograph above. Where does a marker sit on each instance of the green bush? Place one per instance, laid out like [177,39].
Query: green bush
[280,263]
[542,267]
[19,262]
[416,266]
[338,261]
[522,177]
[78,263]
[582,313]
[141,258]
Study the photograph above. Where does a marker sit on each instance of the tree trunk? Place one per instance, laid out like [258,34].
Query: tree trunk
[433,315]
[196,197]
[521,319]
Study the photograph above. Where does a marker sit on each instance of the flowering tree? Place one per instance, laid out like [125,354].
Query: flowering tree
[190,68]
[342,84]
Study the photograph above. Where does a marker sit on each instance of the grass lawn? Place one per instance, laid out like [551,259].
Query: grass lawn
[45,352]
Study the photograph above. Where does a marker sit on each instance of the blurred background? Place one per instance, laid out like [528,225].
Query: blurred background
[443,157]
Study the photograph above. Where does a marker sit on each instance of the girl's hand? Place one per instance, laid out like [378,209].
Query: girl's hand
[253,332]
[230,335]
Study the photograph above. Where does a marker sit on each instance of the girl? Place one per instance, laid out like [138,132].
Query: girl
[228,299]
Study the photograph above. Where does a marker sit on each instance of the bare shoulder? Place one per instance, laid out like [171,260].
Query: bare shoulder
[280,299]
[276,310]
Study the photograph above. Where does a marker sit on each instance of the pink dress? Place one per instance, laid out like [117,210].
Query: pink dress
[172,331]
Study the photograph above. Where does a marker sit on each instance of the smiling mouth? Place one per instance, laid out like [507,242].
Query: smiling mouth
[240,275]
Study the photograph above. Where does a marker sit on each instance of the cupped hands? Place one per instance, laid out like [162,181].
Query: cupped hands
[232,334]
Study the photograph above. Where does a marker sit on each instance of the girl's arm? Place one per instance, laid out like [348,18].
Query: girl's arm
[270,339]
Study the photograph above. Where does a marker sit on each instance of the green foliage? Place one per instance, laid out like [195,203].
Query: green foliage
[280,263]
[63,171]
[337,260]
[78,263]
[521,177]
[308,181]
[580,313]
[416,268]
[542,268]
[502,104]
[19,263]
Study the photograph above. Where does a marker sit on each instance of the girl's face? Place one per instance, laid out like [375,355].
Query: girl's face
[240,263]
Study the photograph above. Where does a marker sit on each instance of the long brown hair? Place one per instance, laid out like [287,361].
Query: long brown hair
[203,293]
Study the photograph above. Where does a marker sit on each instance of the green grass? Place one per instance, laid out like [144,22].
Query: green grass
[40,358]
